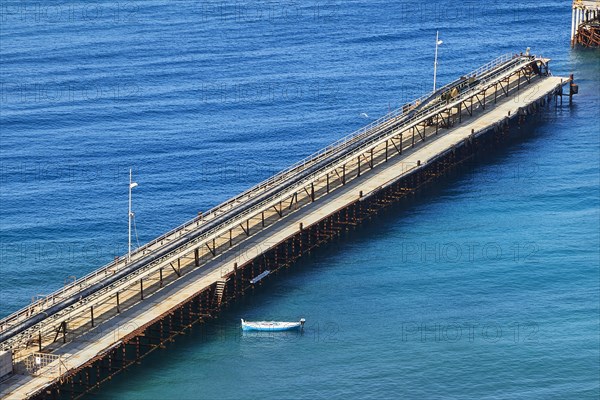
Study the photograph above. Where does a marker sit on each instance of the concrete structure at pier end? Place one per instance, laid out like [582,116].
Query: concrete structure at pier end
[585,23]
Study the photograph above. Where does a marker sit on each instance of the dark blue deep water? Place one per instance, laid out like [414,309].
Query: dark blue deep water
[486,286]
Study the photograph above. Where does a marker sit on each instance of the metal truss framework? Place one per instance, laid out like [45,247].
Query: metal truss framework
[396,139]
[206,304]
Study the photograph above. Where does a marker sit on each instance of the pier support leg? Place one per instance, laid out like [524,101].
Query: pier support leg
[495,93]
[64,330]
[573,27]
[386,150]
[401,144]
[572,90]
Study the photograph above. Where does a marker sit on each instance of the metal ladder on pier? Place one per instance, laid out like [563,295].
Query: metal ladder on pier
[219,290]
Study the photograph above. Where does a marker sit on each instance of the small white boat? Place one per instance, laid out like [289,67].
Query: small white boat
[271,326]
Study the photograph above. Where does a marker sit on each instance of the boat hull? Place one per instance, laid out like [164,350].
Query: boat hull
[270,326]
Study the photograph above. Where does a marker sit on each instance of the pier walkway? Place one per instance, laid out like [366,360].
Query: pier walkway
[69,342]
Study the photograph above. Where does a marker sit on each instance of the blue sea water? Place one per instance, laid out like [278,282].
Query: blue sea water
[485,286]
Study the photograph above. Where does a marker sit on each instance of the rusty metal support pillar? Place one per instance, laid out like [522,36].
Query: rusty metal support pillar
[495,92]
[235,278]
[97,364]
[137,348]
[386,150]
[573,89]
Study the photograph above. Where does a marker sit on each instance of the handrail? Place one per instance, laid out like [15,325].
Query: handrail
[419,116]
[295,168]
[505,71]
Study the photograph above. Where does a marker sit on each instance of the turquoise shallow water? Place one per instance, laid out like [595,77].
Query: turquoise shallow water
[486,286]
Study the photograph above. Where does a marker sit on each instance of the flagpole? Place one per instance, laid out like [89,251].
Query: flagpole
[437,37]
[129,220]
[132,184]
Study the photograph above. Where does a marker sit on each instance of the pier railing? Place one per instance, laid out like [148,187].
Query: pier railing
[370,129]
[311,159]
[382,127]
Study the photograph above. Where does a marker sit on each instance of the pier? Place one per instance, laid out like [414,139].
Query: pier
[69,342]
[585,23]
